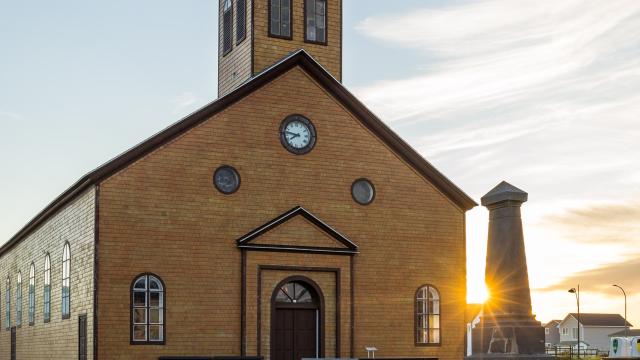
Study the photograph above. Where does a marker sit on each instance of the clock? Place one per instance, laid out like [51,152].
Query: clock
[226,179]
[297,134]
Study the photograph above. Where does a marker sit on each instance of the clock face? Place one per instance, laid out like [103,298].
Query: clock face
[297,134]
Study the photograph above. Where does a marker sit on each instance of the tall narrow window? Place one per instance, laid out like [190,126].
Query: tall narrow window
[227,34]
[19,300]
[241,20]
[315,15]
[280,18]
[7,305]
[147,306]
[66,271]
[46,300]
[427,316]
[32,294]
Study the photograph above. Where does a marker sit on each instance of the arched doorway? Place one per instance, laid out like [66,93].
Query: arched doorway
[297,320]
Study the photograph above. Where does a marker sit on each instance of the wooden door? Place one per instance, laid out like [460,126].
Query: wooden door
[13,343]
[82,337]
[295,334]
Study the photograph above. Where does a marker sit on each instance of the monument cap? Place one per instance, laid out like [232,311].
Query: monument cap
[503,192]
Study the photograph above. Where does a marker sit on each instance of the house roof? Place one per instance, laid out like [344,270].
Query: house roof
[553,323]
[318,73]
[631,332]
[590,319]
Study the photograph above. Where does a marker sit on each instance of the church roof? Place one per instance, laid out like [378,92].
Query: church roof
[298,58]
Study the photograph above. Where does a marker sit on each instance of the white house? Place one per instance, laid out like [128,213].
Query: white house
[594,329]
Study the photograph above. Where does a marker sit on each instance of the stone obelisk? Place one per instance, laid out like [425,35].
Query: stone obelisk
[507,329]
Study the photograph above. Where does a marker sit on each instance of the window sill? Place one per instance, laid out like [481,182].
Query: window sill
[147,342]
[429,344]
[325,43]
[290,37]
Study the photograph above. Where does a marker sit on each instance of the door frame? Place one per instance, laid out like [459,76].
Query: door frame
[320,320]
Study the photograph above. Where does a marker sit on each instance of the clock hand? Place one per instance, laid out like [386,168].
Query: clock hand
[292,133]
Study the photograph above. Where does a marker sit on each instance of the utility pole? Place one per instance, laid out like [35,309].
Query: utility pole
[626,327]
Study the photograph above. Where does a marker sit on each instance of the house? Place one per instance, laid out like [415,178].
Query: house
[552,333]
[282,220]
[594,329]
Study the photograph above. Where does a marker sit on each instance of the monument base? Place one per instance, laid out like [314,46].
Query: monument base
[512,334]
[509,357]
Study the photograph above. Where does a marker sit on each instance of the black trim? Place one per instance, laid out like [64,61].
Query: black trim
[244,242]
[318,73]
[269,34]
[164,312]
[326,24]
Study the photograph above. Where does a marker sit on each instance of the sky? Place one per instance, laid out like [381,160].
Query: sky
[544,95]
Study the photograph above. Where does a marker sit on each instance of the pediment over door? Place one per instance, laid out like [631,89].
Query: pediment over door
[297,230]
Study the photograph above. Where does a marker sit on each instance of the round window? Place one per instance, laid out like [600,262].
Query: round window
[363,191]
[226,179]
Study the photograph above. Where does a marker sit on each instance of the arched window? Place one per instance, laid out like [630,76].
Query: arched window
[427,315]
[19,300]
[147,310]
[315,16]
[227,18]
[280,18]
[66,271]
[7,305]
[32,294]
[46,301]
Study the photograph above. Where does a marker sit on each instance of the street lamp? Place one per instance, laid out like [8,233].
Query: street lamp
[626,327]
[577,293]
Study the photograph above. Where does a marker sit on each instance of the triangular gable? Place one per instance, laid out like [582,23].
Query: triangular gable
[318,73]
[321,238]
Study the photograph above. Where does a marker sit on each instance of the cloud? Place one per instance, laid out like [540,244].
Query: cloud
[601,279]
[544,95]
[186,102]
[615,224]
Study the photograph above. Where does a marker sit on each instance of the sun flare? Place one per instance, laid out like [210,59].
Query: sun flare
[477,294]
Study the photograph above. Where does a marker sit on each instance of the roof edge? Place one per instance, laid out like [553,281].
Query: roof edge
[299,57]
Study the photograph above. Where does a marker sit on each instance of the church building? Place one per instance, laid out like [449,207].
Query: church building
[282,221]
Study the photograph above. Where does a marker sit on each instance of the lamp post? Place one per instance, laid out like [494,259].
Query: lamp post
[626,327]
[577,293]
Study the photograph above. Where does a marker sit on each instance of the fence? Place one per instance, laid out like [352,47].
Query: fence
[570,351]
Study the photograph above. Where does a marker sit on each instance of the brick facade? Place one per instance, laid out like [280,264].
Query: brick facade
[162,215]
[57,339]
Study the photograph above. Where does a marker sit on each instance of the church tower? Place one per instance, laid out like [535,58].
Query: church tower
[255,34]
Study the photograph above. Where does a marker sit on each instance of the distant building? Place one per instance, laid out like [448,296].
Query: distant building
[552,333]
[631,332]
[594,329]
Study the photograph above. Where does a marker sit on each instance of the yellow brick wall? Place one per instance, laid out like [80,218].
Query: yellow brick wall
[163,215]
[57,339]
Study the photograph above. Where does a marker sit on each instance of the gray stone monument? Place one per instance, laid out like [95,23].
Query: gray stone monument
[507,328]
